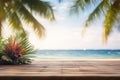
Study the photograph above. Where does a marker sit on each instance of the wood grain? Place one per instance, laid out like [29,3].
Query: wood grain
[63,68]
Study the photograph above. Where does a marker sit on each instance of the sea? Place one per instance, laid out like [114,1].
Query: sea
[77,54]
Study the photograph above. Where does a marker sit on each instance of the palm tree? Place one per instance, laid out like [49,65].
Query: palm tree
[109,8]
[17,11]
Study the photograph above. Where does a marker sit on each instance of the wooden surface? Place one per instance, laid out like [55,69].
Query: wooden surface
[63,68]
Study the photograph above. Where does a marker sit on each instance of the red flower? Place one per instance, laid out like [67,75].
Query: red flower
[14,49]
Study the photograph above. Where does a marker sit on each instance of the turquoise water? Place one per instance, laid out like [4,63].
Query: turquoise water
[77,54]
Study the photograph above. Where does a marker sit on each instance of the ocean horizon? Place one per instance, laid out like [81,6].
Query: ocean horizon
[78,54]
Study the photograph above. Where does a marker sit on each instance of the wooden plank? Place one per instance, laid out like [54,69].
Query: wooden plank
[63,68]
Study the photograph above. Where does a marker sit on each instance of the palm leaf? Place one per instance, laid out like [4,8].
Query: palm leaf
[43,8]
[16,24]
[110,19]
[81,4]
[109,8]
[21,10]
[2,11]
[2,15]
[26,45]
[14,20]
[28,17]
[97,12]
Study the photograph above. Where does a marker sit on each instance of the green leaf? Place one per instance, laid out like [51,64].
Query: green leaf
[110,19]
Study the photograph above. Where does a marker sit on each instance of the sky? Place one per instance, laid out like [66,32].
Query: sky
[66,31]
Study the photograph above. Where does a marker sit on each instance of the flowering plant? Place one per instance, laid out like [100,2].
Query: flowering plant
[15,51]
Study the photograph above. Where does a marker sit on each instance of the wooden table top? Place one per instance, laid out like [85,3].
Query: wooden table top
[63,68]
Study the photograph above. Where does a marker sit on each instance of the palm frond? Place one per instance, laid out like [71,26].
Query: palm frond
[28,17]
[26,45]
[102,7]
[109,8]
[0,28]
[16,11]
[2,11]
[2,15]
[16,24]
[81,4]
[78,4]
[2,44]
[14,20]
[97,12]
[43,8]
[110,19]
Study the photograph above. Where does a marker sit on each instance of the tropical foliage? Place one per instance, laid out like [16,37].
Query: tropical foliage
[17,11]
[109,8]
[2,44]
[16,51]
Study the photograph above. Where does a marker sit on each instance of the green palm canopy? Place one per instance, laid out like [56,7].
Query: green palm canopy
[16,11]
[109,8]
